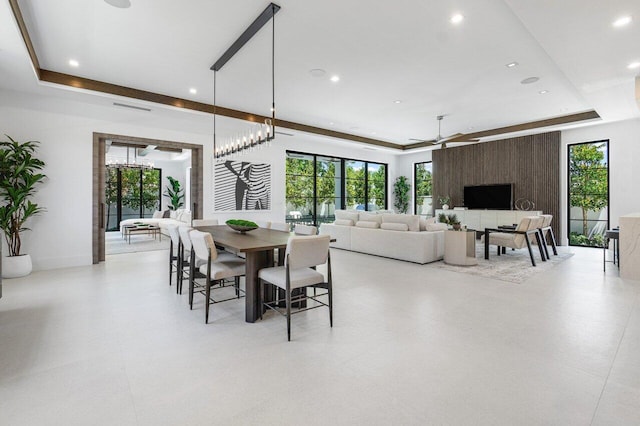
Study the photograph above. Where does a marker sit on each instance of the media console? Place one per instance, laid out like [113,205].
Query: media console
[480,219]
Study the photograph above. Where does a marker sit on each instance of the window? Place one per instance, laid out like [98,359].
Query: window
[588,193]
[316,185]
[423,197]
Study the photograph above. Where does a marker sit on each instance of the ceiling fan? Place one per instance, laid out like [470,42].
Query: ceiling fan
[439,140]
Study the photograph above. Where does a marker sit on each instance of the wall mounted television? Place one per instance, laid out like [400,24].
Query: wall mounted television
[489,197]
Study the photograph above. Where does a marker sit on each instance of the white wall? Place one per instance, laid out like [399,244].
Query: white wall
[624,166]
[61,237]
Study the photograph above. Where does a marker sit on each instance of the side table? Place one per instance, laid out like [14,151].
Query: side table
[460,247]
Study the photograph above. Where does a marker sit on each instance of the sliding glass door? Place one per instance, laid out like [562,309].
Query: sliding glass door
[131,193]
[423,197]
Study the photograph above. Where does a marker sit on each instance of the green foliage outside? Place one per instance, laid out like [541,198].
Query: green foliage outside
[174,193]
[576,239]
[132,195]
[424,184]
[18,179]
[401,189]
[588,185]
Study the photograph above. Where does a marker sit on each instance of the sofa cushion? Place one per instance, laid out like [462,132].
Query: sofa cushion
[367,224]
[186,216]
[370,217]
[393,226]
[166,214]
[412,221]
[343,222]
[346,215]
[157,214]
[424,222]
[172,214]
[436,227]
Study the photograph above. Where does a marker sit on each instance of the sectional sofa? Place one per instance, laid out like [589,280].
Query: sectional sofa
[162,220]
[397,236]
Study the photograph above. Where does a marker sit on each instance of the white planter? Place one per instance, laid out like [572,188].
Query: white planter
[16,266]
[445,207]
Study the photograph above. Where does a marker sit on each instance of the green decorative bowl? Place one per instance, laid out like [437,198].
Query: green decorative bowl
[241,226]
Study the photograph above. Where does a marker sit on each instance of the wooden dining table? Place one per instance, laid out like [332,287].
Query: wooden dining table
[258,246]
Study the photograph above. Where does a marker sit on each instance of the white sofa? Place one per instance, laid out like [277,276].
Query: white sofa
[398,236]
[176,217]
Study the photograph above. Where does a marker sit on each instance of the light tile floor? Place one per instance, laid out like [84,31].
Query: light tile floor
[112,344]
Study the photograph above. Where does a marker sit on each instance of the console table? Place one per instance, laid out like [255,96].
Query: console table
[481,219]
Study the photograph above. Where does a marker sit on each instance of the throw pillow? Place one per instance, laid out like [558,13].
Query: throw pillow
[367,224]
[343,222]
[166,214]
[437,227]
[370,217]
[412,221]
[345,215]
[391,226]
[424,222]
[157,214]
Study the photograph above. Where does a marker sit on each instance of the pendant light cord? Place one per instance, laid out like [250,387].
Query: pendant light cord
[214,115]
[273,73]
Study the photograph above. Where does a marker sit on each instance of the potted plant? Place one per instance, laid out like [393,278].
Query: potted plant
[450,219]
[444,201]
[18,179]
[401,193]
[174,193]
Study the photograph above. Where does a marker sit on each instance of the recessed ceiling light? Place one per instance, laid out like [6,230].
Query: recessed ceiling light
[122,4]
[397,101]
[633,65]
[622,21]
[193,91]
[74,63]
[373,133]
[331,123]
[317,72]
[511,64]
[529,80]
[456,19]
[542,92]
[335,78]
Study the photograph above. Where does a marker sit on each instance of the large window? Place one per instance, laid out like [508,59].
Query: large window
[316,185]
[423,197]
[588,193]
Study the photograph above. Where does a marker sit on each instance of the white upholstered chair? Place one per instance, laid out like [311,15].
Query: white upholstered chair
[216,268]
[174,247]
[263,224]
[302,254]
[300,229]
[526,231]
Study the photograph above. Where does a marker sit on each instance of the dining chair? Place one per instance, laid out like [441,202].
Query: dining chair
[174,251]
[300,229]
[204,222]
[280,226]
[216,268]
[302,253]
[189,264]
[263,224]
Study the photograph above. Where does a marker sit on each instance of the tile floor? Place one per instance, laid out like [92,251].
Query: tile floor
[112,344]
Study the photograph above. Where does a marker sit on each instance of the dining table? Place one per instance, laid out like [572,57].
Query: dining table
[258,246]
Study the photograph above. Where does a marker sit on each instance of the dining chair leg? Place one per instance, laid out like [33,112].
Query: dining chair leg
[208,301]
[261,300]
[237,285]
[288,297]
[170,262]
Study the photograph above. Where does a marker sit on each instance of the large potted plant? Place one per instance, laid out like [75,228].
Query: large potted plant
[174,193]
[19,178]
[401,193]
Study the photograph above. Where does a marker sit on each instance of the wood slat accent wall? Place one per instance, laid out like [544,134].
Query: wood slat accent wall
[530,163]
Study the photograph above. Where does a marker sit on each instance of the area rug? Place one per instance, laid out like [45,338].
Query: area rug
[514,266]
[115,244]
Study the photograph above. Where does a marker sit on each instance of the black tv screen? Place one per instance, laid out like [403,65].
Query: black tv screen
[490,197]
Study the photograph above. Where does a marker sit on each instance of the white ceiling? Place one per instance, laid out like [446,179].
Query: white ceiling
[383,51]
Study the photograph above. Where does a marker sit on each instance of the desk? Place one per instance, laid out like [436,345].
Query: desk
[258,246]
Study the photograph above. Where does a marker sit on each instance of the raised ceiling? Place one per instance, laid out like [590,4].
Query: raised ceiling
[383,52]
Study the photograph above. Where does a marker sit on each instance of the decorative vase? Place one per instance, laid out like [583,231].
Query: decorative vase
[445,207]
[16,266]
[456,226]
